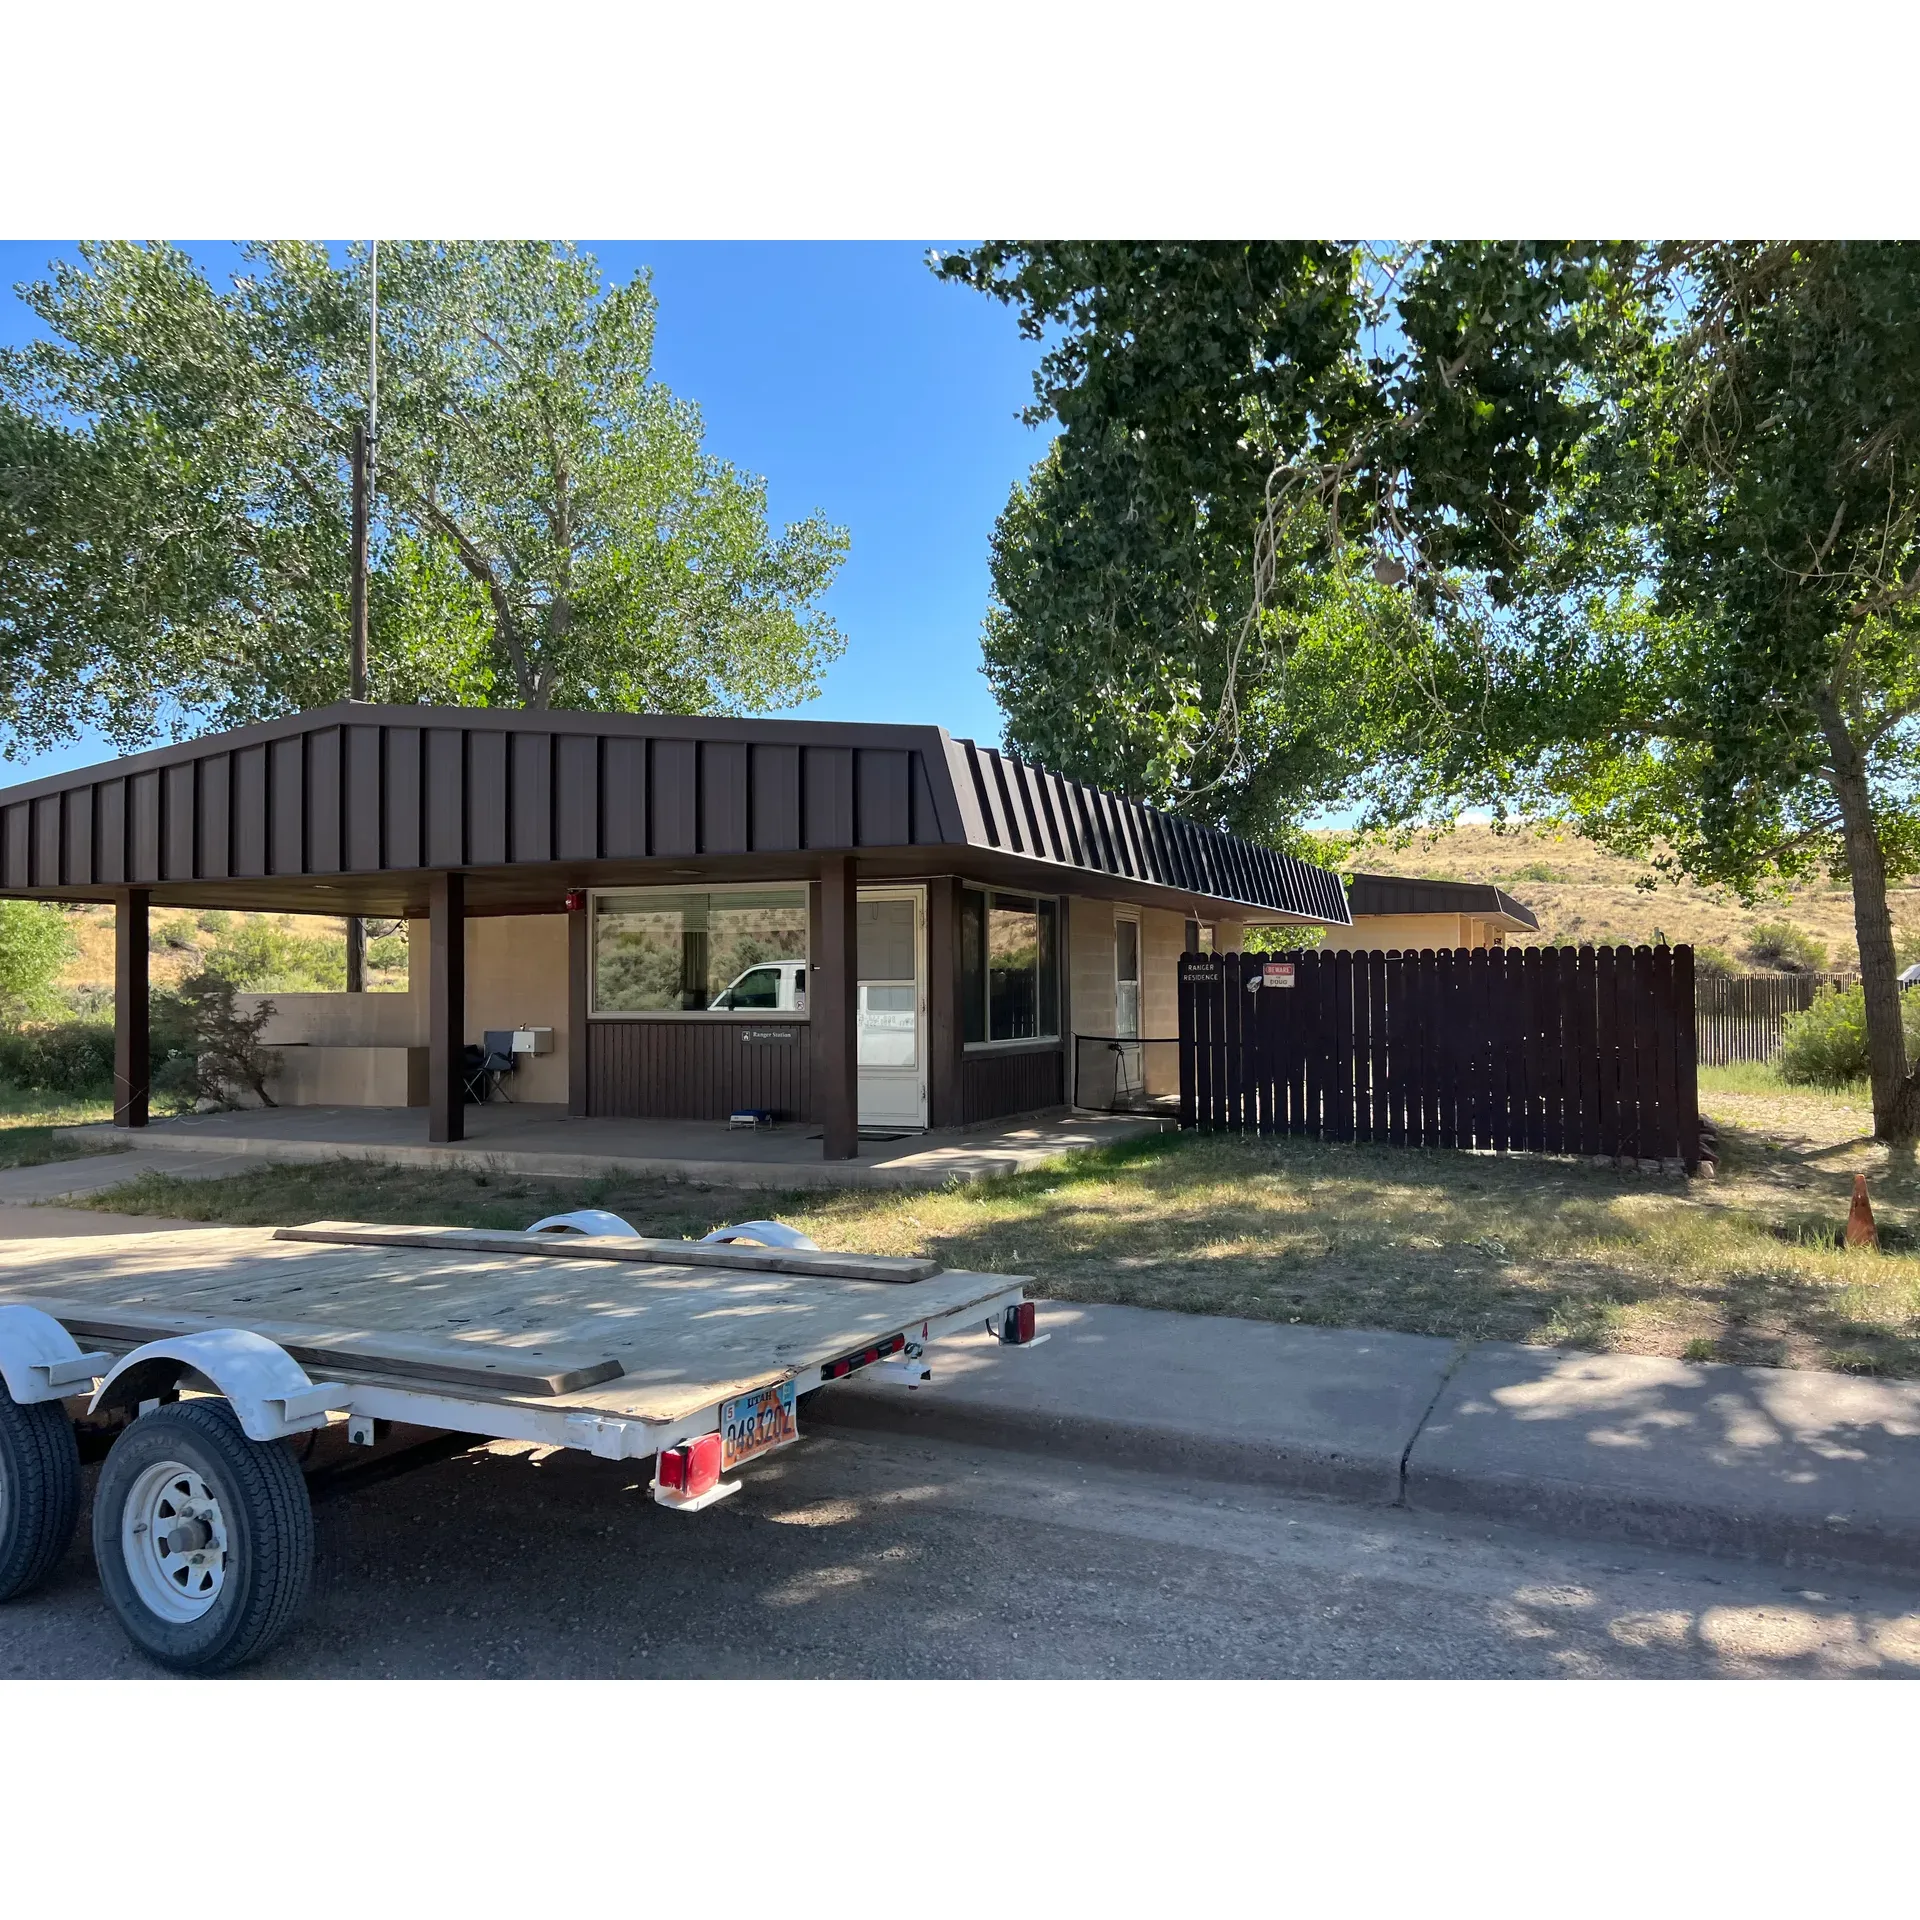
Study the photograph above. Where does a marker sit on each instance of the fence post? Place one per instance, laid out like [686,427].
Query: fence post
[1189,1034]
[1686,1063]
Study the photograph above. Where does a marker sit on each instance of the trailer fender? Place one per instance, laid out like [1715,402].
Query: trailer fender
[41,1360]
[763,1233]
[267,1388]
[593,1220]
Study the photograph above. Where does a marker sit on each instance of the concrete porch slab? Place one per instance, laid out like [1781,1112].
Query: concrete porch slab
[542,1140]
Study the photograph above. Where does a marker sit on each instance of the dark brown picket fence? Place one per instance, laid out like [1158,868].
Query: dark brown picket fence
[1577,1050]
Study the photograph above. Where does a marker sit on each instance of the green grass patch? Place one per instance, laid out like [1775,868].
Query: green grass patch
[28,1119]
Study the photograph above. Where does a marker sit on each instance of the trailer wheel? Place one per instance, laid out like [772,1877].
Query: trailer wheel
[39,1491]
[204,1538]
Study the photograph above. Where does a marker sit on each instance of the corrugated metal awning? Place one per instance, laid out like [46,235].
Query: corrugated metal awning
[350,807]
[1383,893]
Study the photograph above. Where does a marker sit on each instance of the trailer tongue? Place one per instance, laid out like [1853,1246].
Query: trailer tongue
[215,1346]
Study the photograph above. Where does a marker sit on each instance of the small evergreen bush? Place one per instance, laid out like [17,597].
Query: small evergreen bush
[229,1060]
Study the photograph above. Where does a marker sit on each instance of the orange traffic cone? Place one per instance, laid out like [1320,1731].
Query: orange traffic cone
[1861,1232]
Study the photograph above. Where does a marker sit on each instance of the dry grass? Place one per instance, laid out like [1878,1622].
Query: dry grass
[1744,1267]
[1592,896]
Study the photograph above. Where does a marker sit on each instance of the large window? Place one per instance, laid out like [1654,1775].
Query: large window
[738,950]
[1009,967]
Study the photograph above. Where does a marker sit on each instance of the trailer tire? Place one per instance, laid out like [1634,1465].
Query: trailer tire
[39,1491]
[221,1583]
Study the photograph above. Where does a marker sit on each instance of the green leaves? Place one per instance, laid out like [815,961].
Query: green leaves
[174,499]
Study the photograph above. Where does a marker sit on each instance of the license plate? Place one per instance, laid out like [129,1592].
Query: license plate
[755,1423]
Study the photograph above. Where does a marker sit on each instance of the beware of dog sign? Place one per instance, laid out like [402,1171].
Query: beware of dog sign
[1277,973]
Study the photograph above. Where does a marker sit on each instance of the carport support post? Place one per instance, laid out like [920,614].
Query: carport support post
[834,1006]
[446,1007]
[132,1050]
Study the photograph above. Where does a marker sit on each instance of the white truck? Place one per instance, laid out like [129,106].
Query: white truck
[197,1357]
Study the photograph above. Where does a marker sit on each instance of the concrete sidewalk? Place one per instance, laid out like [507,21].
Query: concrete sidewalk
[1774,1463]
[544,1141]
[94,1172]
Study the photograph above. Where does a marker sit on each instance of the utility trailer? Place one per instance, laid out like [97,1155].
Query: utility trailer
[204,1353]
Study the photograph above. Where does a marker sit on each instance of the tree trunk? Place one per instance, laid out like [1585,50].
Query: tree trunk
[1896,1096]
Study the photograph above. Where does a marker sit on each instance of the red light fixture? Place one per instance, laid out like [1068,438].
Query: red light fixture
[839,1369]
[690,1469]
[576,899]
[1016,1326]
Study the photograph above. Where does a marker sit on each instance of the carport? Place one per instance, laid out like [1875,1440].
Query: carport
[673,847]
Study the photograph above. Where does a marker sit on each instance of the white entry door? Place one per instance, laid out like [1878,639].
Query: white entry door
[893,1007]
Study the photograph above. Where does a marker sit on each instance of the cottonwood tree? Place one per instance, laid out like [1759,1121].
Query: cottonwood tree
[174,499]
[1219,588]
[1719,654]
[1654,511]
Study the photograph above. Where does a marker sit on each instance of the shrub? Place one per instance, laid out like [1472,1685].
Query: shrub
[388,954]
[1282,939]
[72,1056]
[258,957]
[228,1057]
[1535,870]
[1714,963]
[1785,948]
[1826,1046]
[36,941]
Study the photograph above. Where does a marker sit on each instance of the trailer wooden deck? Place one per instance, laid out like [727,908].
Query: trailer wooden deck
[649,1330]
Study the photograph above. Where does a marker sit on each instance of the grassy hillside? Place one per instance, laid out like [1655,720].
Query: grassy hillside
[1582,894]
[180,939]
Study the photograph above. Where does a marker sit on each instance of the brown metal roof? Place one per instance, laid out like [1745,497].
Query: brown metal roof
[1381,893]
[361,802]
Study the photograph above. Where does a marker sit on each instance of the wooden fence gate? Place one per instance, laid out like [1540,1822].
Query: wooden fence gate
[1577,1050]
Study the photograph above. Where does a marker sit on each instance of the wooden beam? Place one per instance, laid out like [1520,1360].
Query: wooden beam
[833,1008]
[579,957]
[945,1052]
[446,1006]
[132,1050]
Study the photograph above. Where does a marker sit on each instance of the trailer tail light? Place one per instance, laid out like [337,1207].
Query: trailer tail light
[852,1362]
[690,1469]
[1016,1327]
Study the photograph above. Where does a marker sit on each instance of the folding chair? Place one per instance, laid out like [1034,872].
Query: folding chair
[487,1066]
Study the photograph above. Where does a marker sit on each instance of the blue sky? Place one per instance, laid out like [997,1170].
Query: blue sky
[857,384]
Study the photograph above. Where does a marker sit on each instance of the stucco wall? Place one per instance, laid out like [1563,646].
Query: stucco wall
[1089,966]
[517,977]
[1163,939]
[1408,933]
[342,1019]
[365,1049]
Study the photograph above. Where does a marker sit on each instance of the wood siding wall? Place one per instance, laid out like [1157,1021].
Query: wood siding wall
[1536,1049]
[698,1069]
[1023,1080]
